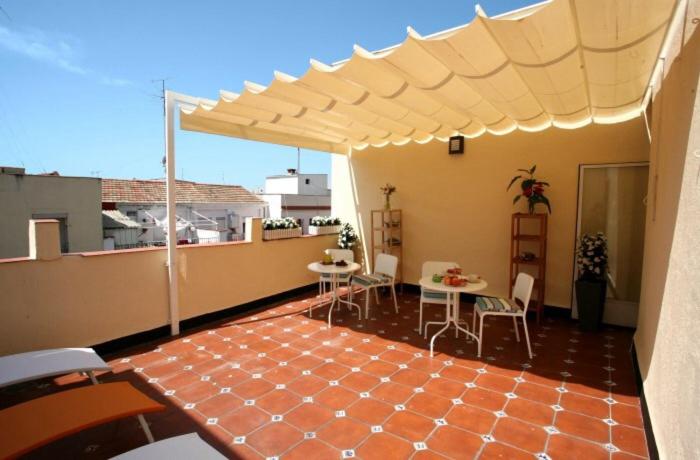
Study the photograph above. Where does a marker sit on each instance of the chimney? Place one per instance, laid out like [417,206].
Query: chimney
[44,239]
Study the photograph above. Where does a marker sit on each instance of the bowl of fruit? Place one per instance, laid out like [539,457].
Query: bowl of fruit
[454,280]
[454,271]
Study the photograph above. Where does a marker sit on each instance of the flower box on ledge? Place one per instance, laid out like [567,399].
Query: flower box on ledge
[324,230]
[281,233]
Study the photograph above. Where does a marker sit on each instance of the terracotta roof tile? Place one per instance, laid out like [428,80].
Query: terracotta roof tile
[153,191]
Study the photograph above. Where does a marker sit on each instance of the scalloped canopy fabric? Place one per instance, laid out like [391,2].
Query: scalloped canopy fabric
[563,63]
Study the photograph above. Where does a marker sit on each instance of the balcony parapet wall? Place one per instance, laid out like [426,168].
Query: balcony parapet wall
[81,299]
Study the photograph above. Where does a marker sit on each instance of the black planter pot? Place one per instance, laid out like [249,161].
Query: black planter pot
[590,300]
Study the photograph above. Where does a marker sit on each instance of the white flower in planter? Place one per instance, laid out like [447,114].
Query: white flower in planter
[592,257]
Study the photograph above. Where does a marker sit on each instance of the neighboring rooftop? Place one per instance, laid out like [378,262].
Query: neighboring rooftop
[153,191]
[21,172]
[115,219]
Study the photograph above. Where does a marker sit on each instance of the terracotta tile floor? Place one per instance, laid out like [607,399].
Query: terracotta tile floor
[276,384]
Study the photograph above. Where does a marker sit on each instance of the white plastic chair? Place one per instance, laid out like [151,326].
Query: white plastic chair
[384,275]
[484,306]
[325,278]
[183,447]
[428,296]
[34,365]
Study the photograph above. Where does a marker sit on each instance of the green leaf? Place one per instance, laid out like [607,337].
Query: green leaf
[517,197]
[543,183]
[524,170]
[512,181]
[527,183]
[546,202]
[532,170]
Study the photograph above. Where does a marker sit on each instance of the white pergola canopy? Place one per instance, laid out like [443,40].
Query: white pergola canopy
[563,63]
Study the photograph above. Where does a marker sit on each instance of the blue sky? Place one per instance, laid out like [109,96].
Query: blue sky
[76,90]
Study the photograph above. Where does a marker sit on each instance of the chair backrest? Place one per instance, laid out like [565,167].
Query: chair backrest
[341,254]
[433,268]
[523,289]
[386,264]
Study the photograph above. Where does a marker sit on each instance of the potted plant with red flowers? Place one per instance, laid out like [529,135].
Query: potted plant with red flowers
[531,188]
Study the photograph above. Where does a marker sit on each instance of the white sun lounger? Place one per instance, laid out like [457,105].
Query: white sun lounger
[185,447]
[33,365]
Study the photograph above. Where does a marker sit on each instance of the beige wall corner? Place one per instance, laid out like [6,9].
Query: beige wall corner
[457,208]
[44,239]
[668,325]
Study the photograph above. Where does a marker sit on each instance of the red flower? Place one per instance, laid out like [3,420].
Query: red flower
[528,192]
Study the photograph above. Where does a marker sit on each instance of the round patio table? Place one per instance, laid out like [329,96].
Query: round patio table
[334,270]
[452,307]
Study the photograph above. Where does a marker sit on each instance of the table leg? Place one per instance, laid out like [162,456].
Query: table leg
[334,296]
[452,318]
[456,314]
[350,304]
[432,340]
[439,323]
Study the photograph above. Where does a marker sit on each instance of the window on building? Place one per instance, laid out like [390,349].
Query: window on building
[307,181]
[131,214]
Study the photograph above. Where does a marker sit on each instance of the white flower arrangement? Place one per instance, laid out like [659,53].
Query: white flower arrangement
[280,224]
[592,257]
[325,221]
[347,238]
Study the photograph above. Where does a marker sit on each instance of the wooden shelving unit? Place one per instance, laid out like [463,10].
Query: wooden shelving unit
[529,233]
[387,236]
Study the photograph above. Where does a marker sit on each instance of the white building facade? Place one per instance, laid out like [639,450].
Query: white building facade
[297,195]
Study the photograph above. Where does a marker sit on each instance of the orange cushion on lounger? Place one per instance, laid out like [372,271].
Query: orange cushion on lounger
[34,423]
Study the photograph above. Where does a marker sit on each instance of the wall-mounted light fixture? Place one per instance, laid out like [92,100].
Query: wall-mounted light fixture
[456,145]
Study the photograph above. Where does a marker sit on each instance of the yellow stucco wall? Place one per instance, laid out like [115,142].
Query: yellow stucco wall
[85,299]
[456,207]
[669,313]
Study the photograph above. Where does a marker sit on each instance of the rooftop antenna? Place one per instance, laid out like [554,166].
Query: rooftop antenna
[161,96]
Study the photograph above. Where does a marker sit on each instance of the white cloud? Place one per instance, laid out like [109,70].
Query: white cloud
[34,45]
[39,46]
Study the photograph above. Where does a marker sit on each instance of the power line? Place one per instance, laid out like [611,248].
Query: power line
[2,10]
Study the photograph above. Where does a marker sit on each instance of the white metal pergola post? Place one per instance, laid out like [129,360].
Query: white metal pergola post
[171,204]
[173,100]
